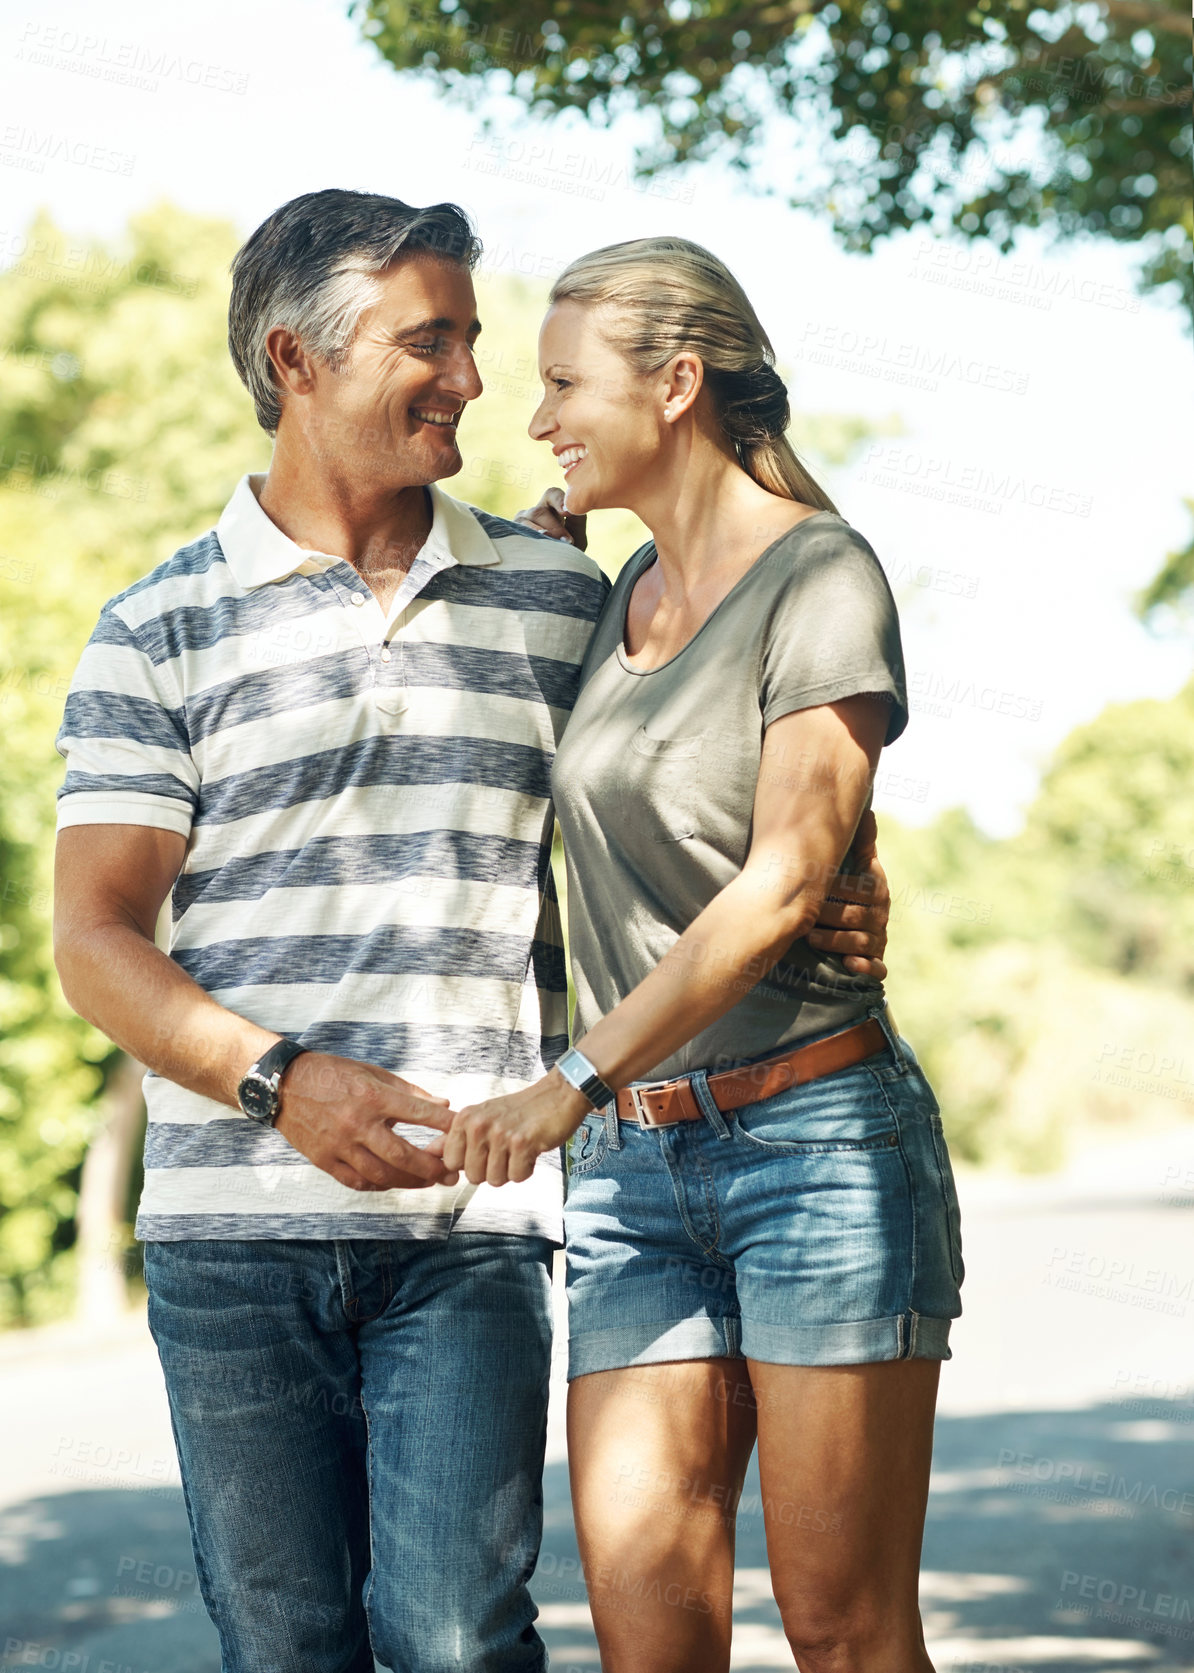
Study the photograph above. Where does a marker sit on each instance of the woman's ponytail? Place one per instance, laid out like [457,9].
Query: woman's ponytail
[755,414]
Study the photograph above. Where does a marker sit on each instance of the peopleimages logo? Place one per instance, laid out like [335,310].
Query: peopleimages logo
[960,481]
[127,63]
[936,693]
[34,148]
[925,365]
[1115,1278]
[575,173]
[981,271]
[1078,1478]
[1141,1601]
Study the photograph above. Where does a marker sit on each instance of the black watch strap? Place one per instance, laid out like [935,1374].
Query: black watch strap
[276,1058]
[580,1073]
[257,1093]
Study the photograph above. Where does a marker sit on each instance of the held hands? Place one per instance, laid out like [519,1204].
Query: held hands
[497,1142]
[338,1113]
[549,516]
[855,923]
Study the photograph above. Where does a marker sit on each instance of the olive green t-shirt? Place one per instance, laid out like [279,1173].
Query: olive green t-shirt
[654,782]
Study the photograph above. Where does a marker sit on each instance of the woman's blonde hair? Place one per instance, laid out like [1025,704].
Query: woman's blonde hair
[668,296]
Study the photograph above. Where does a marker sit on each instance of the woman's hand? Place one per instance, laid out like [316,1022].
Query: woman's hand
[497,1142]
[550,516]
[853,917]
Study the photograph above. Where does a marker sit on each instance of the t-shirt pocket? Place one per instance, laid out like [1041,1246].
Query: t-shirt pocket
[661,788]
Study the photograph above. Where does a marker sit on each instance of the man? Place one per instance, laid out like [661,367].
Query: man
[325,729]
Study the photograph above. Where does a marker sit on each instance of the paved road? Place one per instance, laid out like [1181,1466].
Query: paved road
[1061,1524]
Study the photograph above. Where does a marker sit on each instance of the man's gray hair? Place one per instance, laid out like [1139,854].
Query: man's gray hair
[313,267]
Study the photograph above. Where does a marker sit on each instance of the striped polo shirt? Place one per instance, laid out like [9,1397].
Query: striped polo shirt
[365,797]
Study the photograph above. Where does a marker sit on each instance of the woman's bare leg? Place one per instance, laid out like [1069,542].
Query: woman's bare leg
[657,1456]
[844,1456]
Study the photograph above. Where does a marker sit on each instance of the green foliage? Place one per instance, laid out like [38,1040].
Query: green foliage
[921,110]
[1116,813]
[1045,978]
[1172,587]
[122,429]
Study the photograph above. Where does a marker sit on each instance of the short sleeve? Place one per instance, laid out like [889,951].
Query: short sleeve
[833,629]
[124,737]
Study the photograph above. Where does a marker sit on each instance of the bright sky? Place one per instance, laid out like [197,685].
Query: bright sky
[1045,410]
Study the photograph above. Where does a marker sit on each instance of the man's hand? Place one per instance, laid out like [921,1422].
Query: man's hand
[338,1114]
[853,918]
[550,516]
[110,883]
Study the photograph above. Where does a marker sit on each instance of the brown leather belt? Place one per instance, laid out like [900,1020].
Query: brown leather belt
[662,1103]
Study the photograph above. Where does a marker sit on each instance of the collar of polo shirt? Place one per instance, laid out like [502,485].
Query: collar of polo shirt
[257,551]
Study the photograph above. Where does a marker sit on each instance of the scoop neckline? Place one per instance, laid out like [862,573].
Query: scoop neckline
[643,673]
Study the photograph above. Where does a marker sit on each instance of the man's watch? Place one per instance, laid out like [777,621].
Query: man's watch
[258,1093]
[580,1073]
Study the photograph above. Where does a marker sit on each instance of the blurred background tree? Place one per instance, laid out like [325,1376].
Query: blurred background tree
[122,425]
[1047,980]
[875,115]
[1171,590]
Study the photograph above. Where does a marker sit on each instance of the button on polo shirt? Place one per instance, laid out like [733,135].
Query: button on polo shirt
[365,801]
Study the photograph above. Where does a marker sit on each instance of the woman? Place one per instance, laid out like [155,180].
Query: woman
[762,1226]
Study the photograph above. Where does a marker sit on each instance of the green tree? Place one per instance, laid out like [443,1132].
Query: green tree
[921,113]
[1171,590]
[1115,815]
[1025,970]
[122,427]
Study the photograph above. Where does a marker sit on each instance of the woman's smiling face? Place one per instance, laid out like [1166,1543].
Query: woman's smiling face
[604,422]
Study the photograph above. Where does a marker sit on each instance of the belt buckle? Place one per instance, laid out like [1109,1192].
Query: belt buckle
[640,1114]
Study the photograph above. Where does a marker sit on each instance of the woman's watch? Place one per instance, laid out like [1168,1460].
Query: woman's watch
[580,1073]
[258,1093]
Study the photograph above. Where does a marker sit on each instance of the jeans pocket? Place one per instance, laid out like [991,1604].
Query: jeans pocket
[586,1147]
[842,1111]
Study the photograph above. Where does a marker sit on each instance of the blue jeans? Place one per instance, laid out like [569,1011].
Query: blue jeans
[361,1429]
[815,1227]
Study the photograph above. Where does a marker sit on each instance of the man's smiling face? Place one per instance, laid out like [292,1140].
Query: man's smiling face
[389,413]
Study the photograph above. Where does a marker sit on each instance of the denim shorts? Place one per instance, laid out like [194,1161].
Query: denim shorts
[816,1227]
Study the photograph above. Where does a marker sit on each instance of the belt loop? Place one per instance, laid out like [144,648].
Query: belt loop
[887,1024]
[612,1135]
[881,1017]
[699,1081]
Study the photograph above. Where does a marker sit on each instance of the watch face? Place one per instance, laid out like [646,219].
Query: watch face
[258,1098]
